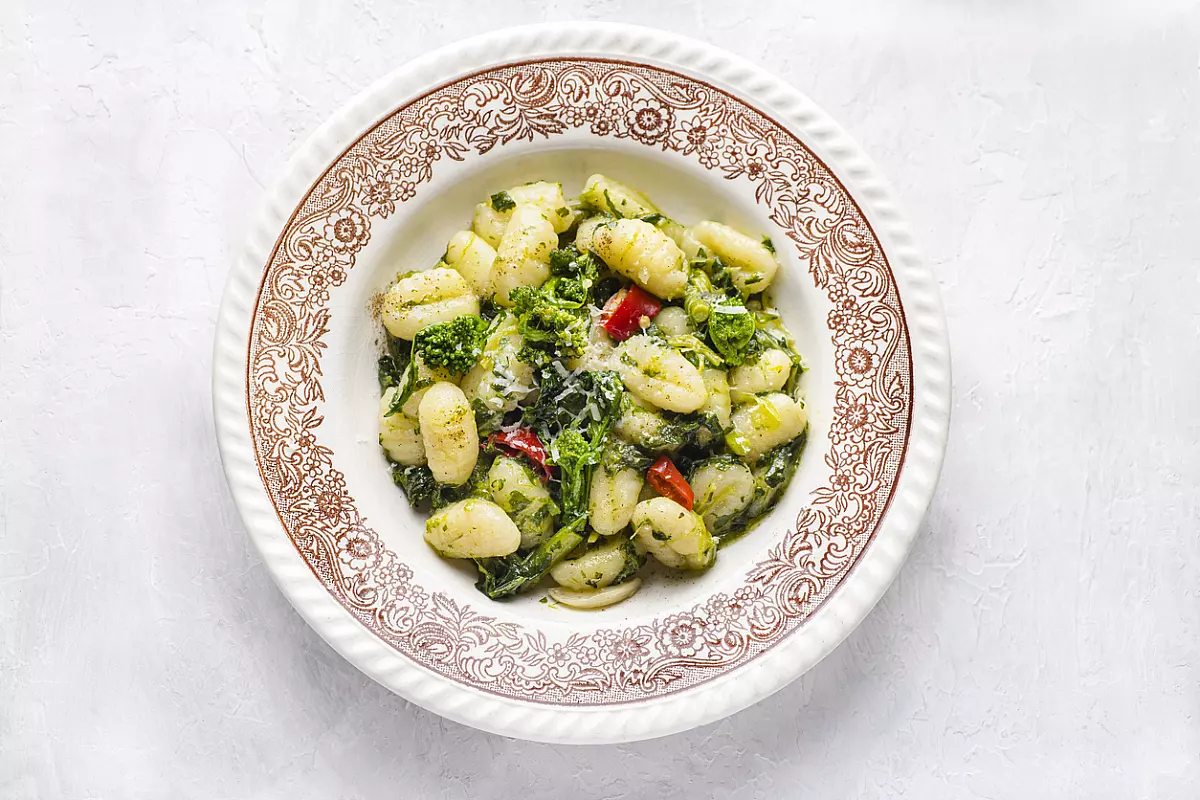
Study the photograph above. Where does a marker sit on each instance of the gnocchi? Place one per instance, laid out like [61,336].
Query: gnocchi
[724,488]
[449,433]
[399,433]
[522,496]
[472,257]
[548,384]
[752,264]
[765,423]
[472,528]
[591,599]
[492,217]
[718,403]
[767,374]
[616,484]
[675,536]
[598,567]
[673,321]
[523,257]
[609,196]
[660,375]
[426,298]
[644,254]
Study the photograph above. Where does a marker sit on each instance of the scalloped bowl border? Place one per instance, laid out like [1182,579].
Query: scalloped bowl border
[739,687]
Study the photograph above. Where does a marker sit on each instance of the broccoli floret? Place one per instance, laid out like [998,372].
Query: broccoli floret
[552,329]
[568,262]
[454,345]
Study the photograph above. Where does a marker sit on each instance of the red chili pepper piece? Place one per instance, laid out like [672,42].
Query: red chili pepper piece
[622,316]
[523,440]
[664,477]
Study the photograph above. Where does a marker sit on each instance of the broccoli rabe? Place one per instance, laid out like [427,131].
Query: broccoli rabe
[505,576]
[576,446]
[566,399]
[454,346]
[420,487]
[568,262]
[731,329]
[553,329]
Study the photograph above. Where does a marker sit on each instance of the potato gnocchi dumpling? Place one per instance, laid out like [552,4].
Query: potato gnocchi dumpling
[426,298]
[523,256]
[724,488]
[591,599]
[522,496]
[675,536]
[472,528]
[449,433]
[765,423]
[399,434]
[660,375]
[616,484]
[768,373]
[603,565]
[718,404]
[472,257]
[644,254]
[581,385]
[494,214]
[603,194]
[751,263]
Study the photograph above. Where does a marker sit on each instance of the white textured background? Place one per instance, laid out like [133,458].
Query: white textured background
[1042,642]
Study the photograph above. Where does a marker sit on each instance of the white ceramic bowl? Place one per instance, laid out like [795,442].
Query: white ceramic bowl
[382,186]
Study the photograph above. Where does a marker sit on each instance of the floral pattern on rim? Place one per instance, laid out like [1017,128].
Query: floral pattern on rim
[658,109]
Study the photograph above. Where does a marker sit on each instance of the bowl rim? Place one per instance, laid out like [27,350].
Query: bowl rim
[738,687]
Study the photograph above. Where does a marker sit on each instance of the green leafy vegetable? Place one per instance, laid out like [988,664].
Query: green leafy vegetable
[420,487]
[454,345]
[418,483]
[566,399]
[767,243]
[731,328]
[408,383]
[393,362]
[619,455]
[634,560]
[502,201]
